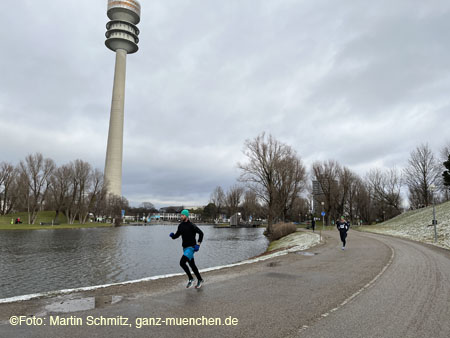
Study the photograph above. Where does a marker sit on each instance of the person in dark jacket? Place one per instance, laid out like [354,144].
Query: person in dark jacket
[188,230]
[343,227]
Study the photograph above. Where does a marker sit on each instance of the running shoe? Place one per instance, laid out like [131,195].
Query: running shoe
[189,284]
[199,284]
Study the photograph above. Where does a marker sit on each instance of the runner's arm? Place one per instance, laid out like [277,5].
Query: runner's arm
[200,233]
[177,234]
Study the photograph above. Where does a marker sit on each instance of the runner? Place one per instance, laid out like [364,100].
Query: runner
[343,227]
[187,231]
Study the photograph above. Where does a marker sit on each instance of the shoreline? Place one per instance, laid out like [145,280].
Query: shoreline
[24,227]
[261,257]
[29,227]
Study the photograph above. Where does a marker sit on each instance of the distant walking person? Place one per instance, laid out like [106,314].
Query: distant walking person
[313,223]
[187,230]
[343,227]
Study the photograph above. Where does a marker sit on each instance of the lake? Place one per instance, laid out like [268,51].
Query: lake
[46,260]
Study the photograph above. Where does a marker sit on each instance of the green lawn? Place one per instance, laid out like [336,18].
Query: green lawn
[45,217]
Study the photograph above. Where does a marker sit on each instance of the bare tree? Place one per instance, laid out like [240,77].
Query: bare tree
[218,198]
[349,188]
[422,172]
[290,181]
[98,204]
[59,190]
[83,178]
[147,205]
[114,206]
[36,172]
[96,192]
[263,173]
[445,151]
[327,174]
[386,190]
[80,190]
[251,208]
[363,202]
[260,171]
[300,210]
[233,199]
[346,179]
[70,204]
[8,191]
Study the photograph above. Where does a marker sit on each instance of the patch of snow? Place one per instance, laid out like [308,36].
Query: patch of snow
[417,225]
[296,241]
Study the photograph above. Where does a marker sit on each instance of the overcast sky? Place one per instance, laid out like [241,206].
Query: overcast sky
[362,82]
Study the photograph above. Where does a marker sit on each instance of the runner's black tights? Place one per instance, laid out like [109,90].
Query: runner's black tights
[343,237]
[191,262]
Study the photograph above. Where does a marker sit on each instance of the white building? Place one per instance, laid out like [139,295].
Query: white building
[170,217]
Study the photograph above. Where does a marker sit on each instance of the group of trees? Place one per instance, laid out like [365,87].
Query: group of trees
[344,192]
[145,208]
[75,190]
[236,199]
[275,186]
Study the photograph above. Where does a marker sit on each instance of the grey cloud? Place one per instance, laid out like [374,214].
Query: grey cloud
[360,82]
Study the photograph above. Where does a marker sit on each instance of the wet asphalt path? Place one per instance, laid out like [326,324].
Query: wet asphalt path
[378,287]
[410,299]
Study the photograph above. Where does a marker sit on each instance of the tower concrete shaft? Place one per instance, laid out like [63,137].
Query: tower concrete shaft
[122,38]
[114,150]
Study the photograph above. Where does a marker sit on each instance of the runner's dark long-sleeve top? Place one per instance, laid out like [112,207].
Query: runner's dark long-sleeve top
[342,226]
[187,231]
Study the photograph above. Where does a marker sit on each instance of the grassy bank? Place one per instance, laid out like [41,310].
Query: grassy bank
[222,225]
[42,217]
[416,225]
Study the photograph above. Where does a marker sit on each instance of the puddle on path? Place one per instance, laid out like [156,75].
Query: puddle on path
[82,304]
[306,253]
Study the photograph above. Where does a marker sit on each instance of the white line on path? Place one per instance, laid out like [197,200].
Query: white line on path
[357,293]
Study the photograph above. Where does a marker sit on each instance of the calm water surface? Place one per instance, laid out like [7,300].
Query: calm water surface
[46,260]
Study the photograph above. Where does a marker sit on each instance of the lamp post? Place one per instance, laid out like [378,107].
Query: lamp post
[432,189]
[323,215]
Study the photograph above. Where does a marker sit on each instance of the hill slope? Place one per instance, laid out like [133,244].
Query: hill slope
[416,225]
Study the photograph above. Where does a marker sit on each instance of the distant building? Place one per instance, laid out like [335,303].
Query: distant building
[319,190]
[171,217]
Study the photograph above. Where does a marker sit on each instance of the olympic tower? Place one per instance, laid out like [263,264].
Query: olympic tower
[121,38]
